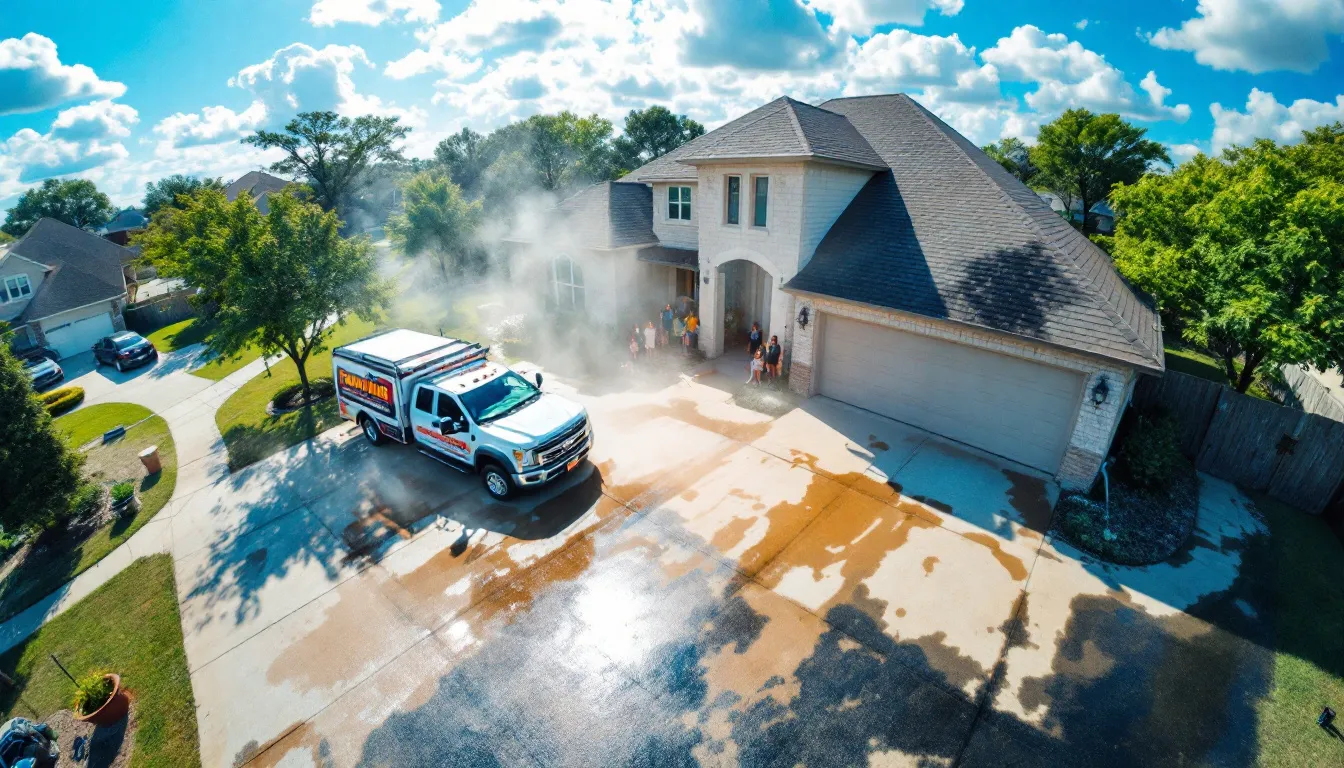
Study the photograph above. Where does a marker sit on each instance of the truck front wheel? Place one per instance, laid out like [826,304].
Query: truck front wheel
[496,481]
[371,431]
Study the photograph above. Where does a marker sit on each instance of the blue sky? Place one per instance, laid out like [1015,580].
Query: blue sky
[127,95]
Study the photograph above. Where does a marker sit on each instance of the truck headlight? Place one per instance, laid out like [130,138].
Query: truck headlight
[524,458]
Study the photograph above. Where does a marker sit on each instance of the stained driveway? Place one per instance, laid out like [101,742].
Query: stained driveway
[719,587]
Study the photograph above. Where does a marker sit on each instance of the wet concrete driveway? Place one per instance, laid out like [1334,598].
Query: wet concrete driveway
[718,587]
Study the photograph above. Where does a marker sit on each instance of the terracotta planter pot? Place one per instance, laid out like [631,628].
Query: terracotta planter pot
[115,708]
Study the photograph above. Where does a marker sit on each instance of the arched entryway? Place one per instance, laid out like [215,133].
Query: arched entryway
[743,288]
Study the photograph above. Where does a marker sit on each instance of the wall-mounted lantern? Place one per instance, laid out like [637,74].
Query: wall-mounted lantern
[1100,392]
[802,317]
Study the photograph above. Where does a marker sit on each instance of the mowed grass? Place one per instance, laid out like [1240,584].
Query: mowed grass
[60,554]
[1309,638]
[218,368]
[1192,361]
[131,626]
[250,434]
[171,338]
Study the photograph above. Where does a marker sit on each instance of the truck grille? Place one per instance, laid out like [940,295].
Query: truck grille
[557,446]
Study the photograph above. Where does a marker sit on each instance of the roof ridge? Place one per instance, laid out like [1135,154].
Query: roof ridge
[797,127]
[1069,263]
[782,104]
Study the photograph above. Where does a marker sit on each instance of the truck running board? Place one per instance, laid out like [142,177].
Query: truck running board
[445,461]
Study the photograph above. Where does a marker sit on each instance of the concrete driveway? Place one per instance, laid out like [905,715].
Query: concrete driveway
[716,587]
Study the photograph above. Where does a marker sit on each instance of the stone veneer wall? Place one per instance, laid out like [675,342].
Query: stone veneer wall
[1094,427]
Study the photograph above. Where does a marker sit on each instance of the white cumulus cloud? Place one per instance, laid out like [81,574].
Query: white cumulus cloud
[1070,75]
[32,77]
[79,139]
[210,126]
[1257,35]
[1265,117]
[327,13]
[862,16]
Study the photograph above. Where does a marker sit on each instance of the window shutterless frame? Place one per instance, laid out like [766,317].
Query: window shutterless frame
[733,199]
[679,203]
[760,194]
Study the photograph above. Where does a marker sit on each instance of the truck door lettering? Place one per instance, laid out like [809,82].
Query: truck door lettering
[451,443]
[373,393]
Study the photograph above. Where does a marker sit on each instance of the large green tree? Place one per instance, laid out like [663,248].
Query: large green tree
[282,280]
[1246,252]
[464,155]
[1015,157]
[165,191]
[438,221]
[76,202]
[331,152]
[651,133]
[38,473]
[1081,156]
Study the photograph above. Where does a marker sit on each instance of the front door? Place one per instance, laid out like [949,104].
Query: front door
[435,431]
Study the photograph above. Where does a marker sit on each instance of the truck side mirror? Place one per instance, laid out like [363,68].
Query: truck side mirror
[538,377]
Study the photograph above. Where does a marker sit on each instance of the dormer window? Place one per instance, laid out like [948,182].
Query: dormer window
[679,203]
[15,288]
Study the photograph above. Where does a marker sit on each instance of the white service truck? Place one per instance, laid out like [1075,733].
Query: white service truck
[443,396]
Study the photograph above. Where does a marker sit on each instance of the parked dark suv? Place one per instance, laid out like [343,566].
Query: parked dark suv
[124,350]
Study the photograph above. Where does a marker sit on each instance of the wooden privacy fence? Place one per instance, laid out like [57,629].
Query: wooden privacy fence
[146,316]
[1296,457]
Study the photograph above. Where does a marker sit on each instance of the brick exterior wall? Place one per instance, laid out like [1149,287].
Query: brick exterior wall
[1094,426]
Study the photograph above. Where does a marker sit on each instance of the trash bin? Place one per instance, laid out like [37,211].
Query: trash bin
[150,458]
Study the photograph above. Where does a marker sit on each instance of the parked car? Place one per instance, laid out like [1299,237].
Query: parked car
[124,350]
[43,371]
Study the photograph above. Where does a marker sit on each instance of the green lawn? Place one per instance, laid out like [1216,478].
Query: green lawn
[1196,363]
[251,434]
[131,626]
[178,335]
[218,368]
[1309,628]
[65,556]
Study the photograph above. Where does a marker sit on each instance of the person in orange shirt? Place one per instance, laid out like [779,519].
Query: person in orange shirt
[692,333]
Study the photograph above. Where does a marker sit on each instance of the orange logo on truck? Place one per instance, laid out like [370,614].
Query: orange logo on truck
[376,393]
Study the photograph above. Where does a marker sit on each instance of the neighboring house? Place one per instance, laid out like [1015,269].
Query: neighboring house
[260,185]
[903,270]
[62,287]
[1103,218]
[122,226]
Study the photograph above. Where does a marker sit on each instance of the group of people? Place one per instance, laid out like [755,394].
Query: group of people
[685,330]
[765,357]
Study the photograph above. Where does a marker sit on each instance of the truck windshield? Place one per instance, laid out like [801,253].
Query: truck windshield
[497,398]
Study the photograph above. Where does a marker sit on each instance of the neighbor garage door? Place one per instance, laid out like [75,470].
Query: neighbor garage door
[78,336]
[1017,409]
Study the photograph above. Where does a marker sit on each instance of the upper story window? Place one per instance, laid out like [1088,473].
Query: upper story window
[679,203]
[733,196]
[760,198]
[15,287]
[567,284]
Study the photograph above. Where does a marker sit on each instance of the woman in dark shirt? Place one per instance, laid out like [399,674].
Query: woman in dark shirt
[755,343]
[773,353]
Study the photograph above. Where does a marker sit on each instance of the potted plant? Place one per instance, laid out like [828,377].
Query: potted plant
[100,699]
[123,498]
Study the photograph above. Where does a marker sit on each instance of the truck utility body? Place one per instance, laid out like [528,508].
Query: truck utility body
[445,397]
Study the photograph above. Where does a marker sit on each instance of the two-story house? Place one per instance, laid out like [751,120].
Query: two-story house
[903,270]
[62,287]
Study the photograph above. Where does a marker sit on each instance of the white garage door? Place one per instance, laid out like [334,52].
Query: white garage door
[1011,407]
[80,335]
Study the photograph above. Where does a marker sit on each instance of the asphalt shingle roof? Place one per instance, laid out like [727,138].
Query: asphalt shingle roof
[612,214]
[948,233]
[258,184]
[788,128]
[684,258]
[84,268]
[128,219]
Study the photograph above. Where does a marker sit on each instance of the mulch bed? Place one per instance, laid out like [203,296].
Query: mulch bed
[1147,527]
[85,746]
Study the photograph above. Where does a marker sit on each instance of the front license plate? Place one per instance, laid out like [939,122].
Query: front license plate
[572,464]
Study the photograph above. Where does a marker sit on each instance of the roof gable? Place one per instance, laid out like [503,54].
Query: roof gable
[611,214]
[255,183]
[84,268]
[949,233]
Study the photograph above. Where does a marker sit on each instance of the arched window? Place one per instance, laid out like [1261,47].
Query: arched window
[567,282]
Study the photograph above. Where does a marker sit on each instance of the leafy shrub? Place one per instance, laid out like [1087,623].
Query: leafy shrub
[122,491]
[1150,456]
[87,500]
[59,401]
[91,692]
